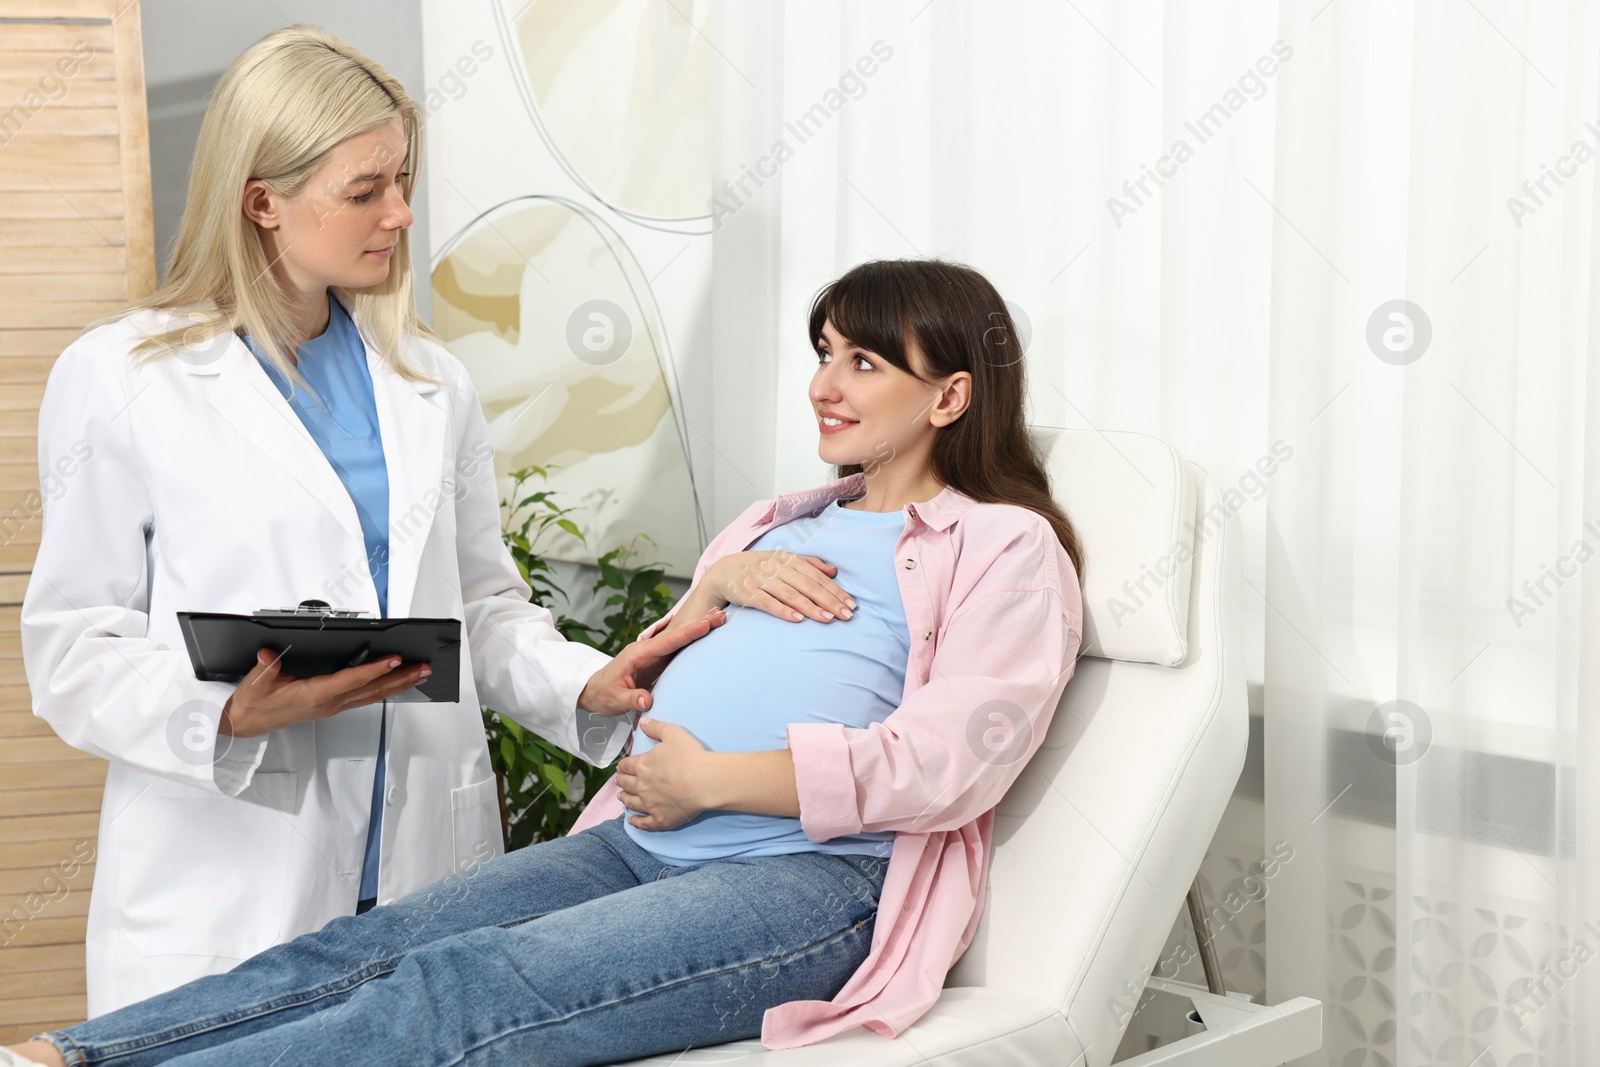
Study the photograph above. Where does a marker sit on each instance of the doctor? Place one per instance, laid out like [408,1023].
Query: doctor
[186,465]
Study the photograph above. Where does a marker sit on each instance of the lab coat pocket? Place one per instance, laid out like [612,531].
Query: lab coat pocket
[475,822]
[205,875]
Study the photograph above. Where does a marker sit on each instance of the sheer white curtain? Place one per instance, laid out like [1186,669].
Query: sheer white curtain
[1295,241]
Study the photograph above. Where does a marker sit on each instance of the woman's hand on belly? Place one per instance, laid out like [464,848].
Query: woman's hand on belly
[781,584]
[678,779]
[671,783]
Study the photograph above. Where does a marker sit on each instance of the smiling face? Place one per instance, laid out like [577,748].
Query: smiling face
[341,229]
[869,410]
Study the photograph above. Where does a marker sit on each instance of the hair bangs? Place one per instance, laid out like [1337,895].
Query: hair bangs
[869,309]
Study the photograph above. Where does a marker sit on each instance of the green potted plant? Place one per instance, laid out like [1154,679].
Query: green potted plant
[543,788]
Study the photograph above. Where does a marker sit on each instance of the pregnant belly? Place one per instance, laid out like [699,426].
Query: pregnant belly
[738,688]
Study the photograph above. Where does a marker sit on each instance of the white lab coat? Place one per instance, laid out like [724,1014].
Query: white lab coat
[191,485]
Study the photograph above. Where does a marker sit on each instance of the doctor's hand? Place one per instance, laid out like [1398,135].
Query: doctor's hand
[623,684]
[266,700]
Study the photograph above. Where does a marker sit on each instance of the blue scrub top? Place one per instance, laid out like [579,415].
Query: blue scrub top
[345,427]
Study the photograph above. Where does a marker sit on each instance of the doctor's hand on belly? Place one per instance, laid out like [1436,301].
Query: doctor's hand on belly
[265,700]
[623,685]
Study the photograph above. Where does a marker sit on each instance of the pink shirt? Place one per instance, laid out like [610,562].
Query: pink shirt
[996,618]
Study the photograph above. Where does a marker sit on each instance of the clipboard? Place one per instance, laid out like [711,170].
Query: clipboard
[316,639]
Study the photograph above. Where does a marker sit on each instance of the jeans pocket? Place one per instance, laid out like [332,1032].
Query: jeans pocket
[861,875]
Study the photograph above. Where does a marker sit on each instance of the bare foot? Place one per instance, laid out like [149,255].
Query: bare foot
[40,1052]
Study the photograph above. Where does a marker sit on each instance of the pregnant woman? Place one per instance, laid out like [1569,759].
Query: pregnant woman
[797,843]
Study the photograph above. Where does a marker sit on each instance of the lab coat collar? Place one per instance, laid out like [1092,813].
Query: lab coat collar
[411,424]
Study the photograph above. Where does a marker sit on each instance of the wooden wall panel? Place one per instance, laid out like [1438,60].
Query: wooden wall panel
[76,243]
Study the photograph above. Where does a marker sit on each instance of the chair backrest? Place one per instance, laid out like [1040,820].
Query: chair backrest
[1099,840]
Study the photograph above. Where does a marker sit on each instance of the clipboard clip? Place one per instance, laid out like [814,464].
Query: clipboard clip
[313,609]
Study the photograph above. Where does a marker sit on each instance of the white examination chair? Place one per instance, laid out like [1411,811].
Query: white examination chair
[1099,841]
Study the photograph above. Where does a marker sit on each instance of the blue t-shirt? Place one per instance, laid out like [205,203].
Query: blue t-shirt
[345,427]
[738,688]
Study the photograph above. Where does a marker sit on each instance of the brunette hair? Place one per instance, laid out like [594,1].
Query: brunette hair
[960,323]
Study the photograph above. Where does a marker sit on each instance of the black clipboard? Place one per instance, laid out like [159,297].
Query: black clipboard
[315,639]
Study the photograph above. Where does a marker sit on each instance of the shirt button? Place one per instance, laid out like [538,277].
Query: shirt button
[394,794]
[911,564]
[927,634]
[913,509]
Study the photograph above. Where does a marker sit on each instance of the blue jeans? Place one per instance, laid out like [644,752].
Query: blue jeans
[575,951]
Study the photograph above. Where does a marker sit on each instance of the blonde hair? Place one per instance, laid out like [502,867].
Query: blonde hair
[277,112]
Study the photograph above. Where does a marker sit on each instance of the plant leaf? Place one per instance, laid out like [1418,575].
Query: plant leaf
[642,582]
[556,777]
